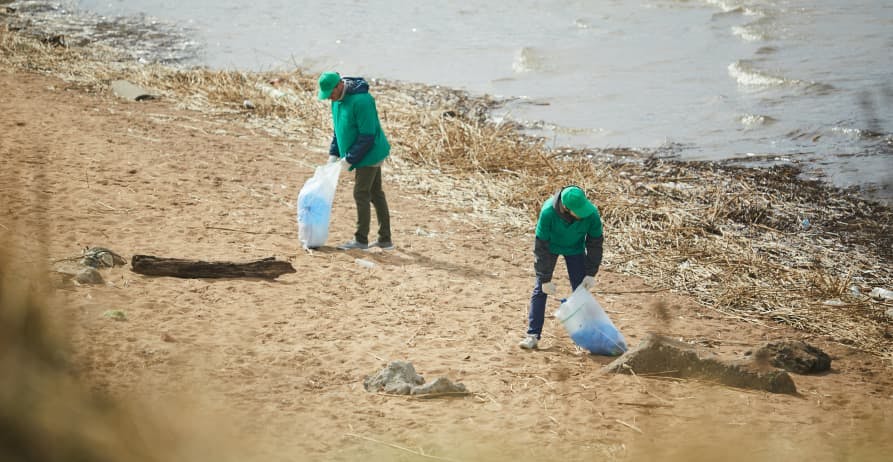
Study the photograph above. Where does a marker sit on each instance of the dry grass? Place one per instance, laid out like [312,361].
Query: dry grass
[730,237]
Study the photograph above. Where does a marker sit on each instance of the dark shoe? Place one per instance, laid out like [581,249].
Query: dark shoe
[383,245]
[349,245]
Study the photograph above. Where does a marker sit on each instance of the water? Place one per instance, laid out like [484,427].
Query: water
[755,81]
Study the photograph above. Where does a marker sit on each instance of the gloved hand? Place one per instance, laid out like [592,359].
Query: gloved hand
[588,282]
[333,159]
[549,288]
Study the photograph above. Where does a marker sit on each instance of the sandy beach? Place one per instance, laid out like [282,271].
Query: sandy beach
[251,369]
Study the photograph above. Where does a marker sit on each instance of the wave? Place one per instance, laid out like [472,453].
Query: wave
[754,120]
[749,9]
[864,134]
[527,60]
[747,75]
[749,34]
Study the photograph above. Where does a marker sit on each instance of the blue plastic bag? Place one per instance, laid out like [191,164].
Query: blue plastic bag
[589,326]
[314,205]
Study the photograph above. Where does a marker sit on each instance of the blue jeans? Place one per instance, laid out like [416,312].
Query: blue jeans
[536,316]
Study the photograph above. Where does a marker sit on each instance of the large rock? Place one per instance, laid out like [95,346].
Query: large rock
[397,378]
[400,378]
[666,357]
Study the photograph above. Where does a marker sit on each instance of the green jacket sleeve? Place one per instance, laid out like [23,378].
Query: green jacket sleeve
[594,246]
[543,259]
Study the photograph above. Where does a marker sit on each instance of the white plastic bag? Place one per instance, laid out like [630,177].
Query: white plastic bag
[315,205]
[588,324]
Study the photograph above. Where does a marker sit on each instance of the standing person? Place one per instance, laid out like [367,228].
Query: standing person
[568,225]
[359,139]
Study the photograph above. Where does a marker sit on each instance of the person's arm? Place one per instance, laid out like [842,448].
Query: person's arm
[594,251]
[594,246]
[360,148]
[543,260]
[367,127]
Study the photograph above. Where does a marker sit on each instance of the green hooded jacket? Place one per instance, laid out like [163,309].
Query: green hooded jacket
[355,115]
[565,235]
[560,233]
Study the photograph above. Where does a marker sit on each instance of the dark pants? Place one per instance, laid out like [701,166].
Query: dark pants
[367,190]
[575,271]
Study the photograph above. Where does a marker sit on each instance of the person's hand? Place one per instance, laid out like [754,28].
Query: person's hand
[588,282]
[549,288]
[333,159]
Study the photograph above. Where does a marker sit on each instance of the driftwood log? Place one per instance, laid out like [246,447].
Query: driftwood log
[266,268]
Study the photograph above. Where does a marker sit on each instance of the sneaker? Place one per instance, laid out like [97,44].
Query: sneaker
[529,342]
[383,245]
[353,245]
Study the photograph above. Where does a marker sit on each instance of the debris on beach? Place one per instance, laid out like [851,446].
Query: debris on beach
[400,378]
[129,91]
[84,269]
[264,268]
[794,356]
[881,294]
[664,357]
[100,257]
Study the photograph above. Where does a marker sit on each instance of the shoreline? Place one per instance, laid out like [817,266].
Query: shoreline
[671,222]
[129,39]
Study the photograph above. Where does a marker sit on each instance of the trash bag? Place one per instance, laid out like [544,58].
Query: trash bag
[315,205]
[589,326]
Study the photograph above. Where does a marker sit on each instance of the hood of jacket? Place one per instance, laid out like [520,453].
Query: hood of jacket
[354,85]
[560,210]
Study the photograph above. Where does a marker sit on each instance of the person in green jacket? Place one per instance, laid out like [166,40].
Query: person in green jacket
[570,225]
[360,141]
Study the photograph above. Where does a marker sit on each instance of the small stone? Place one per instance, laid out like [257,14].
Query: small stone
[117,315]
[437,386]
[881,294]
[88,275]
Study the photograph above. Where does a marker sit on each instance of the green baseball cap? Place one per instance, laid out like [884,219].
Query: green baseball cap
[575,200]
[327,83]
